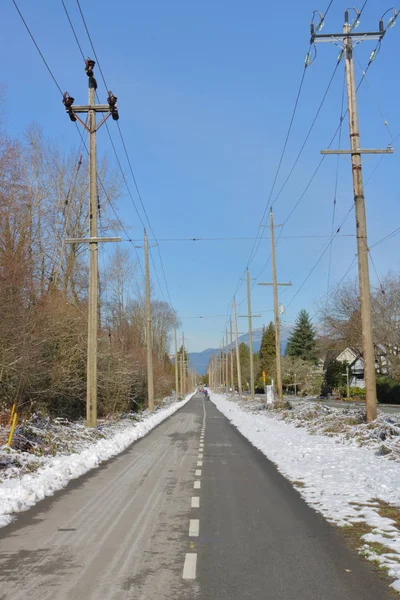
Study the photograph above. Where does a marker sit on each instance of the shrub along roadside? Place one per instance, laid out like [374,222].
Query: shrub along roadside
[388,390]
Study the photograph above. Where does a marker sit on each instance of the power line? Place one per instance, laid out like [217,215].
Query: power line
[336,186]
[319,259]
[229,239]
[37,48]
[115,151]
[73,30]
[129,163]
[308,133]
[338,129]
[91,43]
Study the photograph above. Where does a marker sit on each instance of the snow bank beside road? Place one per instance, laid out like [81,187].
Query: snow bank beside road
[17,495]
[340,481]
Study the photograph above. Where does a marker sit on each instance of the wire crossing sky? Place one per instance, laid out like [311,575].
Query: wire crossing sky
[219,118]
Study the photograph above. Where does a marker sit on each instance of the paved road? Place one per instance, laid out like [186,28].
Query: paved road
[191,511]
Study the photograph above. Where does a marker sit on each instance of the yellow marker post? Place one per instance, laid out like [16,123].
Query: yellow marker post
[10,437]
[12,414]
[264,377]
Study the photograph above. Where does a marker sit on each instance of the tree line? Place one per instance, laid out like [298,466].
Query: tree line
[44,284]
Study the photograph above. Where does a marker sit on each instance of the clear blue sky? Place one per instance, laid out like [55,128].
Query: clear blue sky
[206,91]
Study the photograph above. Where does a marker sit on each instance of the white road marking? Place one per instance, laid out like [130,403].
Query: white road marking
[199,463]
[189,568]
[198,473]
[194,527]
[195,502]
[200,456]
[196,485]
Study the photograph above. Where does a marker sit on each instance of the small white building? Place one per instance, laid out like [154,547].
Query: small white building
[356,364]
[356,367]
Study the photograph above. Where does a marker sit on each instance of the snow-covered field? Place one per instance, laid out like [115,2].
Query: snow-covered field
[335,475]
[85,450]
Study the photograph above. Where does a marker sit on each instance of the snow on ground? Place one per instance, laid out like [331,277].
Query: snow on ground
[20,489]
[335,476]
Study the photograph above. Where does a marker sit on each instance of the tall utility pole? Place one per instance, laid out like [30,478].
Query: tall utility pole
[346,39]
[250,318]
[149,349]
[176,361]
[221,365]
[231,354]
[276,310]
[91,109]
[181,373]
[227,360]
[239,373]
[183,366]
[250,336]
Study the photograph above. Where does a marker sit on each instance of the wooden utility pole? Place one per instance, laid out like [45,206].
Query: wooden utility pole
[361,230]
[91,385]
[93,296]
[227,360]
[181,374]
[176,361]
[183,366]
[250,336]
[149,349]
[250,317]
[231,355]
[276,309]
[346,39]
[239,373]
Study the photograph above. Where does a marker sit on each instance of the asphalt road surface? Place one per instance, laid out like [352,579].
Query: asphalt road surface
[191,511]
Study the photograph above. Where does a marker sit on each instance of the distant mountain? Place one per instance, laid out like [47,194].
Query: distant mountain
[199,360]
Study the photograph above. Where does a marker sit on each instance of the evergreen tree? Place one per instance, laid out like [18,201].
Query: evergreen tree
[267,352]
[301,341]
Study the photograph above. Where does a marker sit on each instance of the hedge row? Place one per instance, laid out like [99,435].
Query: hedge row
[388,390]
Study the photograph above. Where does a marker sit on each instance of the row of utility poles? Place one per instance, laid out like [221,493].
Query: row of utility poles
[346,41]
[185,377]
[218,370]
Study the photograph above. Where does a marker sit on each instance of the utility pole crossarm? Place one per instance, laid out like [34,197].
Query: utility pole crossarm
[388,150]
[285,284]
[91,240]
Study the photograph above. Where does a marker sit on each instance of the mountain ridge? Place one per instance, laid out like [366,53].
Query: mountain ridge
[199,360]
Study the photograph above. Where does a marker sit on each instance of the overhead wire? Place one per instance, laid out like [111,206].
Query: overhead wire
[38,49]
[336,186]
[317,168]
[257,242]
[129,163]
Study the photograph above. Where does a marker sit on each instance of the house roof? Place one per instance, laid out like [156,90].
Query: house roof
[344,355]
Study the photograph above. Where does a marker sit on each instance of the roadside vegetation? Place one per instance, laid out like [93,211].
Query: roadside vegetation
[44,283]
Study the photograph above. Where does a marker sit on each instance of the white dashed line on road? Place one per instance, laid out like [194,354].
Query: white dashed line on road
[196,485]
[198,473]
[199,463]
[194,527]
[189,568]
[195,502]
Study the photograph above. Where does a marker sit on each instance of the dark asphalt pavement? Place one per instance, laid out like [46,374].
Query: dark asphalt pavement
[259,540]
[170,520]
